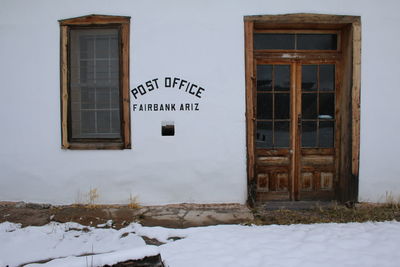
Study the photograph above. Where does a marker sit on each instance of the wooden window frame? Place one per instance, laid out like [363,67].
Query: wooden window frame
[98,21]
[349,50]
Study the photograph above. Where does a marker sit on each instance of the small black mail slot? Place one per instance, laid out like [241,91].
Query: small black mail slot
[167,129]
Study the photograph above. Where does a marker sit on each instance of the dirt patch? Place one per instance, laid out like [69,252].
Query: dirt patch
[36,215]
[118,216]
[24,215]
[360,212]
[187,215]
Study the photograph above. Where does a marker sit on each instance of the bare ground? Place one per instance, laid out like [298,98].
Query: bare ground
[187,215]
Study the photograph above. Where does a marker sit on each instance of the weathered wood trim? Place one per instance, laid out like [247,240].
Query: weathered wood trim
[123,23]
[296,125]
[95,19]
[126,115]
[64,85]
[305,18]
[250,116]
[356,29]
[96,146]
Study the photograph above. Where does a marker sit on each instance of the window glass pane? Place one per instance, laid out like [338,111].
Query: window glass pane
[309,105]
[101,72]
[282,77]
[264,77]
[88,98]
[327,77]
[309,134]
[282,105]
[273,41]
[115,121]
[326,106]
[86,47]
[103,98]
[309,77]
[326,133]
[88,122]
[264,134]
[86,71]
[114,98]
[316,41]
[264,106]
[103,120]
[282,137]
[114,50]
[114,71]
[94,83]
[102,47]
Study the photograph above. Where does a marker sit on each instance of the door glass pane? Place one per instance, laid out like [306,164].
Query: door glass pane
[309,77]
[309,134]
[282,106]
[282,137]
[316,41]
[326,133]
[274,41]
[264,77]
[273,106]
[327,77]
[309,105]
[264,106]
[264,134]
[282,78]
[326,106]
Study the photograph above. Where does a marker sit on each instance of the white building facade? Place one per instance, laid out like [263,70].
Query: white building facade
[185,118]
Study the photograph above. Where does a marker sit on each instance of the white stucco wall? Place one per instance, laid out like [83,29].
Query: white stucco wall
[201,41]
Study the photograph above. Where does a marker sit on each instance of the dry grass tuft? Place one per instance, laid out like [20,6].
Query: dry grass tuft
[134,202]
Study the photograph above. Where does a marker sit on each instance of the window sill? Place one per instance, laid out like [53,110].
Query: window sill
[97,146]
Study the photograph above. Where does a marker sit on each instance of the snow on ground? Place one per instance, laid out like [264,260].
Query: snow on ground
[21,245]
[352,244]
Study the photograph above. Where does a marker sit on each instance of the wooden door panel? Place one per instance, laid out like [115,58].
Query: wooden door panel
[317,160]
[316,130]
[326,181]
[306,181]
[273,130]
[317,176]
[304,167]
[273,161]
[273,182]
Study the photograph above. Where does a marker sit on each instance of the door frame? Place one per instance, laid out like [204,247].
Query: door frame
[350,43]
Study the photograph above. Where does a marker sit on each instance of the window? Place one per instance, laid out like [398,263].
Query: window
[95,103]
[295,41]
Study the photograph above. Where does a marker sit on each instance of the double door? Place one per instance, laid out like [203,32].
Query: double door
[296,132]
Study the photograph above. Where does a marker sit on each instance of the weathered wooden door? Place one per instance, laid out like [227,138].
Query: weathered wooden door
[296,133]
[302,107]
